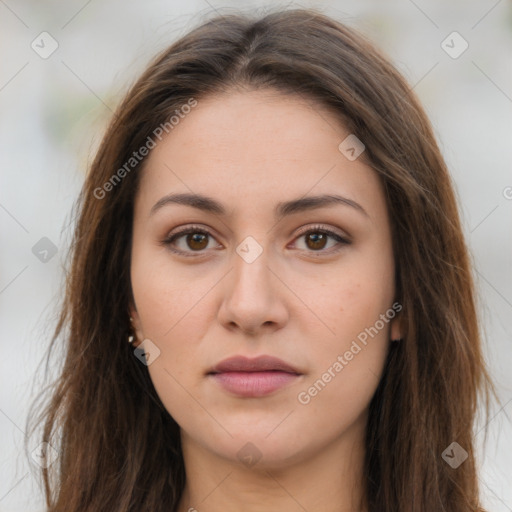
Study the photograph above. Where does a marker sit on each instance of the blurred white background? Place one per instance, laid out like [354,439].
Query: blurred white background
[53,112]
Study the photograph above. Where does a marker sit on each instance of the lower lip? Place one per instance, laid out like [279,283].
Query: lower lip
[254,384]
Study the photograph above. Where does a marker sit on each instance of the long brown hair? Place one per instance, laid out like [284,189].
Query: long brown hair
[119,449]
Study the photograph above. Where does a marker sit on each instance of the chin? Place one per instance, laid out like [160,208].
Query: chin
[258,450]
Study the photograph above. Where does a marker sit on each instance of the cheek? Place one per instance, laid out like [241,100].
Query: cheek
[347,366]
[171,304]
[174,305]
[170,299]
[173,318]
[350,297]
[349,357]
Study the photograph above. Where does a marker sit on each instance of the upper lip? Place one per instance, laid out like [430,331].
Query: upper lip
[257,364]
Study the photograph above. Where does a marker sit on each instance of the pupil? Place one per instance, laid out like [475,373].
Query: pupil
[317,237]
[196,238]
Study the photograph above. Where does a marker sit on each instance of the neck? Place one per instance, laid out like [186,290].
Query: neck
[328,481]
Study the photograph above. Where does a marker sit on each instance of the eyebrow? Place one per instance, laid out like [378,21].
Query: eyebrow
[210,205]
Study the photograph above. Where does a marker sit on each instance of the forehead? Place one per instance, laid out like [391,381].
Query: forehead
[253,148]
[255,126]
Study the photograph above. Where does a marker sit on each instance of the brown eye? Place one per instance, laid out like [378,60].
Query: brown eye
[316,240]
[188,241]
[197,241]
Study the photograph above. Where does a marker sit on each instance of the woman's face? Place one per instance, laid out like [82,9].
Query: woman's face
[270,267]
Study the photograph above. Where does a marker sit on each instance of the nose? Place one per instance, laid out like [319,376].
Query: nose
[254,297]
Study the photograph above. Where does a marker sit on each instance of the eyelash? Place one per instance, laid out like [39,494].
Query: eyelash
[196,229]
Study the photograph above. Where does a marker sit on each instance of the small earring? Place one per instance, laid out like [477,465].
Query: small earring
[131,337]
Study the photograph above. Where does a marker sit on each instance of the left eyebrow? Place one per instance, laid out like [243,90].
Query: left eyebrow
[282,209]
[315,202]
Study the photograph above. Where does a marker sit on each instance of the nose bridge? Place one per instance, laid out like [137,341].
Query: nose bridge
[251,299]
[251,272]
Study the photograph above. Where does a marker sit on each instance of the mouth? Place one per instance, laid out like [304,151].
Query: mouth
[253,378]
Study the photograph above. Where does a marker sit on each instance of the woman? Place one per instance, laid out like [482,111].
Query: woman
[270,305]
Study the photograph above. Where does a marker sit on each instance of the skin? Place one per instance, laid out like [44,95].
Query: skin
[298,301]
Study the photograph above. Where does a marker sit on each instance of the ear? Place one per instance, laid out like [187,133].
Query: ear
[396,327]
[136,325]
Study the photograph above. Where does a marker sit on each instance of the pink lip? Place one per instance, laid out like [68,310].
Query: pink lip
[253,377]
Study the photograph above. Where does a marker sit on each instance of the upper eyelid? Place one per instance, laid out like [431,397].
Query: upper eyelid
[321,227]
